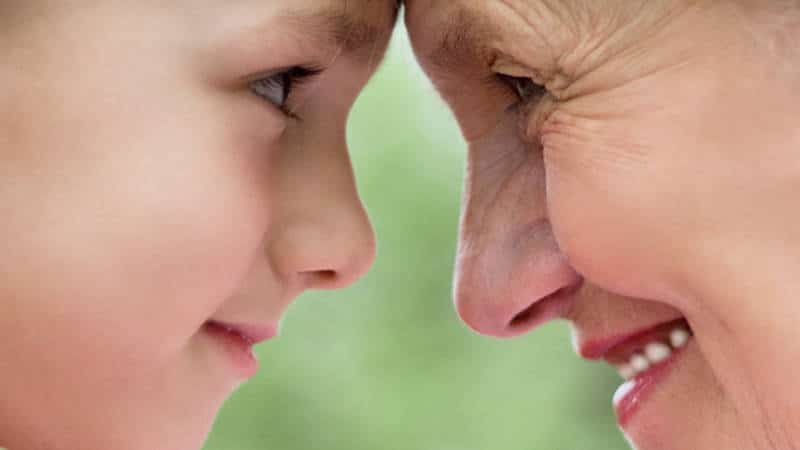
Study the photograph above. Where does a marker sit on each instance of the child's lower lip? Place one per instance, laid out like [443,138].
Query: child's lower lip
[238,349]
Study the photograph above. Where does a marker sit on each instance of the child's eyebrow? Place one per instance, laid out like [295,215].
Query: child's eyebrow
[353,32]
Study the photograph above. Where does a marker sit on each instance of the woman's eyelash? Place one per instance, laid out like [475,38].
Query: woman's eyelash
[278,87]
[524,88]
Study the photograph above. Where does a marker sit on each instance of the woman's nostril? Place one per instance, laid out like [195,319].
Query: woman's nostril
[553,306]
[523,317]
[528,318]
[491,305]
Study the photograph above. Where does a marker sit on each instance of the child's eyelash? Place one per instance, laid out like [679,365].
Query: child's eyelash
[278,87]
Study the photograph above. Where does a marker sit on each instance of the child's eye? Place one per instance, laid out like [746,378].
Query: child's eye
[277,88]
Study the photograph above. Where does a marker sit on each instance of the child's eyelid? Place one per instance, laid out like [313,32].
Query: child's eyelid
[289,80]
[310,69]
[291,105]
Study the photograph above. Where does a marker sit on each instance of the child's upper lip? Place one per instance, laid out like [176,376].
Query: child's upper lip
[252,333]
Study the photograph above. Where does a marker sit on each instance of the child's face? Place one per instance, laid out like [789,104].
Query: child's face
[150,185]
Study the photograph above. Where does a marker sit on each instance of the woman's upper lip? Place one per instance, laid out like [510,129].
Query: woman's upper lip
[252,333]
[606,347]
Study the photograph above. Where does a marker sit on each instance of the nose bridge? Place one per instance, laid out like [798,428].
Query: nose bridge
[320,235]
[510,275]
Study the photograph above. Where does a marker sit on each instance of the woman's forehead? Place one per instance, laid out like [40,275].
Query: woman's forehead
[454,30]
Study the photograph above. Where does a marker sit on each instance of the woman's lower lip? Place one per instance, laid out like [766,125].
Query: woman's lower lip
[237,348]
[631,396]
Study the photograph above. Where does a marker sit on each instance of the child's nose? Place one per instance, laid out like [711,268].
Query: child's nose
[321,237]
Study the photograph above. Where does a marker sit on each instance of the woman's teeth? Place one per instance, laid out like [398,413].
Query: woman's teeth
[679,337]
[639,363]
[657,352]
[654,353]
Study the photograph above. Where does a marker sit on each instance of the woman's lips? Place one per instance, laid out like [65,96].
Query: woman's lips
[238,341]
[643,359]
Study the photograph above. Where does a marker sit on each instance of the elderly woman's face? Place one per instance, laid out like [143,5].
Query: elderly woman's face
[630,193]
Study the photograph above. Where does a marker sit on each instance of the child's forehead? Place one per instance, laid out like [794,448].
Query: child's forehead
[378,12]
[358,19]
[360,27]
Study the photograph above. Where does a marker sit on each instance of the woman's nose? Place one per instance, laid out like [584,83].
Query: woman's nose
[510,275]
[508,286]
[320,237]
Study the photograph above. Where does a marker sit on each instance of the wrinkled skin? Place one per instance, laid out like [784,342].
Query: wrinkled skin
[653,177]
[145,189]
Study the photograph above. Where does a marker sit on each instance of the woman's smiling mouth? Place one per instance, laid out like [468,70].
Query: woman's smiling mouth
[643,359]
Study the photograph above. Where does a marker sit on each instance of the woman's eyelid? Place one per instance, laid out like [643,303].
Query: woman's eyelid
[525,88]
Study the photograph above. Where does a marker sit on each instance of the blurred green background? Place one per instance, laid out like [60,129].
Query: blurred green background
[386,364]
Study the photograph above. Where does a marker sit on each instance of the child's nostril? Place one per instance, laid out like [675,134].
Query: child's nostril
[328,275]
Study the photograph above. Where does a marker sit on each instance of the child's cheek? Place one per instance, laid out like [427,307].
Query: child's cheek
[201,227]
[116,262]
[161,231]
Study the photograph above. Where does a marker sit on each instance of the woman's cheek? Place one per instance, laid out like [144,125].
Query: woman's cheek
[605,206]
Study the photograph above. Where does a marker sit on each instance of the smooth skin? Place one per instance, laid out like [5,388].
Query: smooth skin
[643,156]
[146,189]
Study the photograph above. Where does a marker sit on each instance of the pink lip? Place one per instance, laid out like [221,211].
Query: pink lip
[603,348]
[632,394]
[238,341]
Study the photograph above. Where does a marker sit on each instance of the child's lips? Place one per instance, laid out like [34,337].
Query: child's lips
[254,334]
[238,340]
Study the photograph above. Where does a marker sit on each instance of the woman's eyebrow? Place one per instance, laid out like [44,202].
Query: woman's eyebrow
[463,40]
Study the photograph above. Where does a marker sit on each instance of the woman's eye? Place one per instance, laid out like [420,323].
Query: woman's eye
[277,88]
[524,88]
